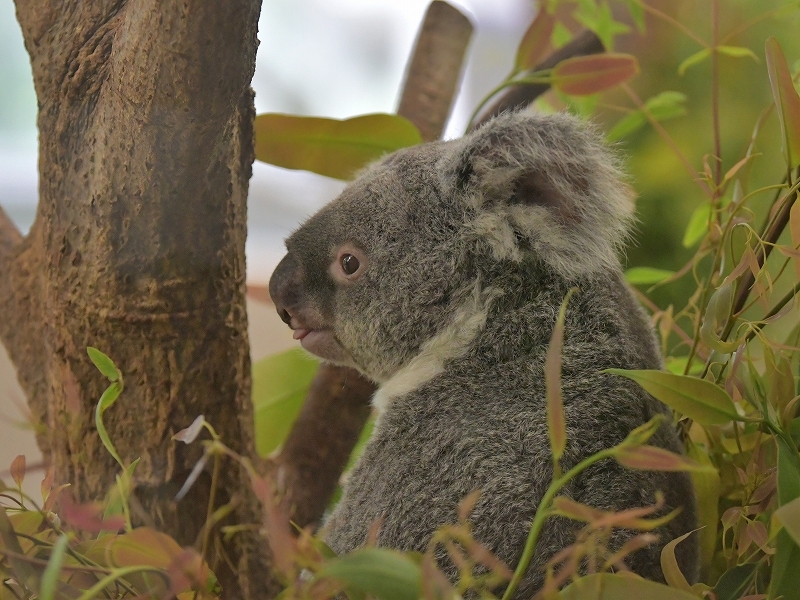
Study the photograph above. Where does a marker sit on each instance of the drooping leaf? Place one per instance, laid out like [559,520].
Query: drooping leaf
[280,385]
[536,40]
[103,363]
[669,565]
[794,228]
[698,225]
[786,98]
[694,59]
[556,426]
[717,313]
[646,275]
[584,75]
[332,147]
[737,52]
[384,574]
[620,587]
[696,398]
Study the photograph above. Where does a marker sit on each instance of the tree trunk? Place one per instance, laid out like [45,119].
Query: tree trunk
[145,152]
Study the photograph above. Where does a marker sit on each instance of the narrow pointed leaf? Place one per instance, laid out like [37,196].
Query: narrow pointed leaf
[786,98]
[104,364]
[737,52]
[647,275]
[536,40]
[556,426]
[47,588]
[332,147]
[384,574]
[669,565]
[698,225]
[698,399]
[707,486]
[651,458]
[584,75]
[785,579]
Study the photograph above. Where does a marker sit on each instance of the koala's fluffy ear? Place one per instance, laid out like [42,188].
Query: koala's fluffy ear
[546,184]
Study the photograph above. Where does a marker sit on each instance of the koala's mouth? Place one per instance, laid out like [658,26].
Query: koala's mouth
[322,343]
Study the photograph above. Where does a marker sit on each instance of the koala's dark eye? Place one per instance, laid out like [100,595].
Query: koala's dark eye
[350,264]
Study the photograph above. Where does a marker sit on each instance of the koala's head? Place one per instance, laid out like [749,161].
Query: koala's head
[404,258]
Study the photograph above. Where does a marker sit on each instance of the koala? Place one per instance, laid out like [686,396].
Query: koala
[438,273]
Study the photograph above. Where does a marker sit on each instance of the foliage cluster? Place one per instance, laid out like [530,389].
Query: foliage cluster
[730,348]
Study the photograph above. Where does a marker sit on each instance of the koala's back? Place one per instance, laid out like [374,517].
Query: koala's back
[481,424]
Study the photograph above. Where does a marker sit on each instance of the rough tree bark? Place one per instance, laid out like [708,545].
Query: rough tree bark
[145,152]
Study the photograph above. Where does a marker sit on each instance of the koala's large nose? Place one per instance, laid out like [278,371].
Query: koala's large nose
[284,287]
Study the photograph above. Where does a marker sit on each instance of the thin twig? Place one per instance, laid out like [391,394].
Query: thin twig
[519,96]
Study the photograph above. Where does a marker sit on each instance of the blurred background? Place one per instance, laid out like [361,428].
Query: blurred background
[340,58]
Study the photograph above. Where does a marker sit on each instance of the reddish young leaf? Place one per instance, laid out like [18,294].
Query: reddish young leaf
[536,40]
[190,433]
[650,458]
[787,99]
[556,426]
[88,517]
[584,75]
[18,469]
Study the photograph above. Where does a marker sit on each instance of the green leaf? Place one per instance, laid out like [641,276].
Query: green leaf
[106,400]
[785,579]
[734,582]
[698,399]
[384,574]
[693,60]
[104,364]
[737,52]
[707,486]
[637,13]
[663,106]
[620,587]
[598,18]
[332,147]
[561,36]
[535,41]
[626,126]
[280,385]
[786,98]
[669,565]
[789,516]
[698,225]
[47,587]
[646,275]
[556,426]
[584,75]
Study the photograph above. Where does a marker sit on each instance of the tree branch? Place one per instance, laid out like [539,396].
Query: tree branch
[434,69]
[519,96]
[337,406]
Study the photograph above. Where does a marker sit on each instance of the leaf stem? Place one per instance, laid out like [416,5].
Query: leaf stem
[543,511]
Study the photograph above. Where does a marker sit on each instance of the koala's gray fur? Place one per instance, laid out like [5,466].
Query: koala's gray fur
[466,249]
